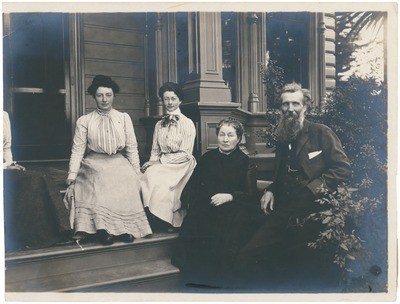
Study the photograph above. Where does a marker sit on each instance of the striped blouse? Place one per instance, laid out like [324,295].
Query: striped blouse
[87,137]
[174,144]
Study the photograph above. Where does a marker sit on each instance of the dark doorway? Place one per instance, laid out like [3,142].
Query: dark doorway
[288,44]
[35,92]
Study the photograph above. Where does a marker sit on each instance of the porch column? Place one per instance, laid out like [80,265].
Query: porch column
[321,32]
[207,99]
[322,61]
[166,57]
[159,61]
[254,77]
[205,83]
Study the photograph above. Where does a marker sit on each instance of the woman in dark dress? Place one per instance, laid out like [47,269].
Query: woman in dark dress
[222,212]
[34,214]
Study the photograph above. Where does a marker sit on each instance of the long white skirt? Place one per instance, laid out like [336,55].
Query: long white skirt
[162,186]
[107,196]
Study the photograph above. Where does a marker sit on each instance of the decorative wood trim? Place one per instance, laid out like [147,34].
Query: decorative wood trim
[8,96]
[159,51]
[146,69]
[193,51]
[242,66]
[206,84]
[313,60]
[211,58]
[262,49]
[322,59]
[238,59]
[28,90]
[76,70]
[208,126]
[253,101]
[172,48]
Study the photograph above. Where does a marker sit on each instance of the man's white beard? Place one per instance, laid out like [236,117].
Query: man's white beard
[289,126]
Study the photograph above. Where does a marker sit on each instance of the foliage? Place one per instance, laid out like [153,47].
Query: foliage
[272,76]
[268,133]
[348,27]
[352,23]
[357,113]
[343,205]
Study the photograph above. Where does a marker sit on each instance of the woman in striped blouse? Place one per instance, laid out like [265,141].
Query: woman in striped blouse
[171,162]
[104,187]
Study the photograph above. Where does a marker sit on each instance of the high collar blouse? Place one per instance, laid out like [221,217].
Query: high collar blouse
[173,144]
[87,138]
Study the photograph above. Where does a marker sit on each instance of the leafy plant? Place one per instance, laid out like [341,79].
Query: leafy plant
[267,134]
[356,112]
[272,76]
[338,235]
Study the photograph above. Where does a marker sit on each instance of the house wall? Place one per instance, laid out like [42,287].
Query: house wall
[114,45]
[330,55]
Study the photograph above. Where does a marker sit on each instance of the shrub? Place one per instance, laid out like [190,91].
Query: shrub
[357,113]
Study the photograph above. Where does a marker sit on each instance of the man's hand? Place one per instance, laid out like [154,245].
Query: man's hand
[221,198]
[267,202]
[148,164]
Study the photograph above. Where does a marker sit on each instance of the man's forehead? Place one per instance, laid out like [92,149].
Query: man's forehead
[292,96]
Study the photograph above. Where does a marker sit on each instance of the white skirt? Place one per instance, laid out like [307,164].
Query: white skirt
[162,186]
[107,196]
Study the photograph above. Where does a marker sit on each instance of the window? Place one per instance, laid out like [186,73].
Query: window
[288,44]
[35,61]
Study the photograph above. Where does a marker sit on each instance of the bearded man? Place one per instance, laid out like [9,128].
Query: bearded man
[309,157]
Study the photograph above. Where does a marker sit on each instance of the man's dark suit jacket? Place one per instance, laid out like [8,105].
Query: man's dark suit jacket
[320,155]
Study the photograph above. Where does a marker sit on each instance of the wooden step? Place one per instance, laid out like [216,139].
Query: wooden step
[71,268]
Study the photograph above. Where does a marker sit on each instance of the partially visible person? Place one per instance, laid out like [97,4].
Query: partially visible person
[34,214]
[223,210]
[171,162]
[309,158]
[104,169]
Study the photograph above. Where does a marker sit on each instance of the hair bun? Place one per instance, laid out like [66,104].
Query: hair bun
[102,81]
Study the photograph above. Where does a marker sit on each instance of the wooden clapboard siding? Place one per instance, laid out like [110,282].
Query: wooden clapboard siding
[111,36]
[119,21]
[114,45]
[127,85]
[115,52]
[122,102]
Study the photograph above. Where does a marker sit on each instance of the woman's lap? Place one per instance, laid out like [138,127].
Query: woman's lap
[107,196]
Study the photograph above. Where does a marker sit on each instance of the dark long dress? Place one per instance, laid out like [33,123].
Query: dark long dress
[210,236]
[34,213]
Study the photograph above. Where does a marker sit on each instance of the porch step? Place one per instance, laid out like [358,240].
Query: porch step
[69,268]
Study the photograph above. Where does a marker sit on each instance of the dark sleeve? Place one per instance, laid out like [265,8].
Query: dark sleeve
[189,193]
[338,165]
[248,193]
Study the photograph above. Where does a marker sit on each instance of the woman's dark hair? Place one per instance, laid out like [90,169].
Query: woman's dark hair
[102,81]
[233,123]
[172,87]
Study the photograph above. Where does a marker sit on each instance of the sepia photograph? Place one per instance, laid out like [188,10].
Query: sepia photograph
[209,151]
